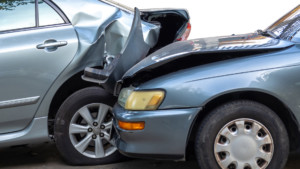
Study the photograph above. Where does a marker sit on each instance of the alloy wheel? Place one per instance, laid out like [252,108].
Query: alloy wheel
[90,131]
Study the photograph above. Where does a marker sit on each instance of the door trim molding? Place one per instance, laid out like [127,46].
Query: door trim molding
[19,102]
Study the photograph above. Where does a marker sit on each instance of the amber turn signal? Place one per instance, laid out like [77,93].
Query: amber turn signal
[131,125]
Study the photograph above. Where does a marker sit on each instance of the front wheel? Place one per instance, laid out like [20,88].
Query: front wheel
[242,135]
[84,128]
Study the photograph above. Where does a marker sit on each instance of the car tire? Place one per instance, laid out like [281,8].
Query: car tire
[242,134]
[82,137]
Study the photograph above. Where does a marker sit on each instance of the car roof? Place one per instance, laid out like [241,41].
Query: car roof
[73,8]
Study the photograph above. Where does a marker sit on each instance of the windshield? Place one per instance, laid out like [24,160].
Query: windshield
[119,5]
[287,26]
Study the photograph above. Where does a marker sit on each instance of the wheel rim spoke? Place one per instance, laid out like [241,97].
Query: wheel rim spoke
[99,150]
[107,136]
[241,126]
[253,164]
[227,133]
[255,129]
[108,125]
[264,155]
[86,115]
[227,161]
[102,112]
[75,128]
[263,141]
[83,144]
[222,148]
[240,165]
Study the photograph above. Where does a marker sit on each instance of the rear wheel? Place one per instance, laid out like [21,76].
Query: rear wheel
[84,128]
[242,135]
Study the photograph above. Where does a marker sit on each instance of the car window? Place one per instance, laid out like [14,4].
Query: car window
[16,14]
[47,15]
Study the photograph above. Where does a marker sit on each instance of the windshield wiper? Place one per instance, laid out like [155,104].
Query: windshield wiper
[267,33]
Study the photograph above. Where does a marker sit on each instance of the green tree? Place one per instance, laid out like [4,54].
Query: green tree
[11,4]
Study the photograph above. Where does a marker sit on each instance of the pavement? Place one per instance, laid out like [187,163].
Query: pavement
[46,156]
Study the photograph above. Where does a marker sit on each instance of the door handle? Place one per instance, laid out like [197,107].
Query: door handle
[52,44]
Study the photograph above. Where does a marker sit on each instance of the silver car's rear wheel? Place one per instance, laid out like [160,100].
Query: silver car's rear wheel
[244,144]
[90,131]
[83,129]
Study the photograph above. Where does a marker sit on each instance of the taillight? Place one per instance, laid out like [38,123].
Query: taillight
[186,34]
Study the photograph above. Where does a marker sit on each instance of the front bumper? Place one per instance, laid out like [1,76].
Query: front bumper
[165,134]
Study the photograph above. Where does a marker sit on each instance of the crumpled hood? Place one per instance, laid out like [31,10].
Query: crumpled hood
[245,42]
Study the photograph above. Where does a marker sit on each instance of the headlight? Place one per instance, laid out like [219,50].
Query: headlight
[140,100]
[123,96]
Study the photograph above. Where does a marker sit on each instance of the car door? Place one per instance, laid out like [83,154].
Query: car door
[36,44]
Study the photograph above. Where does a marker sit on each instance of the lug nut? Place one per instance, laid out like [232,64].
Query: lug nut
[95,124]
[94,136]
[90,130]
[102,127]
[101,135]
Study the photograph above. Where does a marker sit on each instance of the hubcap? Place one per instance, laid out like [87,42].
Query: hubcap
[90,131]
[244,144]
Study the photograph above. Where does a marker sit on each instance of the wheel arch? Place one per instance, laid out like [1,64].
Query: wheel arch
[284,113]
[73,84]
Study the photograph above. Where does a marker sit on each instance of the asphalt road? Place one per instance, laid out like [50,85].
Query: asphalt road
[45,156]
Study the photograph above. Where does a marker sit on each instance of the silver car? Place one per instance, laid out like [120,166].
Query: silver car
[45,45]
